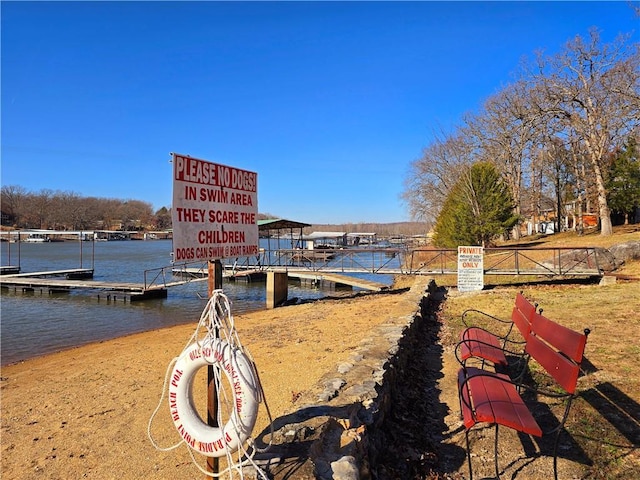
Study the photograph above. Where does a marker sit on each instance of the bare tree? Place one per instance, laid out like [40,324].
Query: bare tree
[39,207]
[134,214]
[75,212]
[556,168]
[13,202]
[584,191]
[433,175]
[506,130]
[593,91]
[58,219]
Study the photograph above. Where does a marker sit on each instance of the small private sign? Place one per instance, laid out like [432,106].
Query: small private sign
[214,210]
[470,268]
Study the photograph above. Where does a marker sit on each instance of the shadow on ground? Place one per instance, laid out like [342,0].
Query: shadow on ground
[409,443]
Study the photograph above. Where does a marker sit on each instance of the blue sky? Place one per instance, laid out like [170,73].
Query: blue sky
[329,102]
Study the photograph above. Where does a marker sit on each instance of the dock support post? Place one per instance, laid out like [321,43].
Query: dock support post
[214,282]
[214,272]
[277,288]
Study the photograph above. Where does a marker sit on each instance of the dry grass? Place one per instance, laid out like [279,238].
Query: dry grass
[591,238]
[604,421]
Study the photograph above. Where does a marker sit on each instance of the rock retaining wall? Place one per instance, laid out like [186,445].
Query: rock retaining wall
[330,435]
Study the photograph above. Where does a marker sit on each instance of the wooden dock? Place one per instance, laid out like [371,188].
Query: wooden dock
[304,276]
[66,280]
[9,269]
[71,273]
[337,280]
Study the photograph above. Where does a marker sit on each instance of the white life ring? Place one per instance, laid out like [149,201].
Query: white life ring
[208,440]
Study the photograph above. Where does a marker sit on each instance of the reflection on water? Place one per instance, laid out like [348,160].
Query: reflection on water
[39,323]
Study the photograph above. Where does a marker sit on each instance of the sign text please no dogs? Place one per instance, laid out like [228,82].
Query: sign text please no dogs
[214,210]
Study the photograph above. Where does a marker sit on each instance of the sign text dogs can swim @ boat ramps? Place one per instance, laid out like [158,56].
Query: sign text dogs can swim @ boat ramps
[470,268]
[214,210]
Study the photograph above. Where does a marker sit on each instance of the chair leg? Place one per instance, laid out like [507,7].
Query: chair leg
[466,434]
[555,455]
[495,452]
[557,440]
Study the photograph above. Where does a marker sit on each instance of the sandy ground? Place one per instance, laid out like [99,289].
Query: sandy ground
[84,413]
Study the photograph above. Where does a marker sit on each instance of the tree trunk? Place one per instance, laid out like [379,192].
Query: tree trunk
[606,227]
[515,231]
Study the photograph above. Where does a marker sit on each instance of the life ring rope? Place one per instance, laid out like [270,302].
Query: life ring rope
[215,342]
[155,412]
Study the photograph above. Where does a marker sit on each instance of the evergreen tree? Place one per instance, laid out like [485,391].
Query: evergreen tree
[478,209]
[623,185]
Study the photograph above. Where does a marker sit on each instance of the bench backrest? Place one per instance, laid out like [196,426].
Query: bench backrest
[558,349]
[522,314]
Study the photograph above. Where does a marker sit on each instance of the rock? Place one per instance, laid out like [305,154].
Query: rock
[345,468]
[626,251]
[344,367]
[608,280]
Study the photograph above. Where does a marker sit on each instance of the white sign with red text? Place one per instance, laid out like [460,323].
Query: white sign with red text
[470,268]
[214,212]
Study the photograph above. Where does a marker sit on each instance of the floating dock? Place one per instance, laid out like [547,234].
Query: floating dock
[9,270]
[304,276]
[71,273]
[66,280]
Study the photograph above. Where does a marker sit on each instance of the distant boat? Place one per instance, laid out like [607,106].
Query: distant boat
[37,238]
[311,256]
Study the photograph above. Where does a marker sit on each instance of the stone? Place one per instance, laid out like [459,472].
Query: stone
[344,367]
[608,280]
[345,468]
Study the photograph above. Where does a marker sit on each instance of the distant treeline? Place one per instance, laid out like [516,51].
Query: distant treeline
[381,229]
[56,210]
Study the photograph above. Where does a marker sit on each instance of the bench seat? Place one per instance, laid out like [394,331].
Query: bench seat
[492,398]
[478,342]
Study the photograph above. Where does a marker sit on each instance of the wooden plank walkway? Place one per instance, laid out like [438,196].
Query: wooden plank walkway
[316,277]
[9,270]
[339,279]
[71,272]
[136,291]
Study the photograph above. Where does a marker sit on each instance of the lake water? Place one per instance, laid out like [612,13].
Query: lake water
[39,323]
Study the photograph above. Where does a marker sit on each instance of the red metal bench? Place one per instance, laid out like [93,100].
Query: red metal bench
[480,343]
[493,398]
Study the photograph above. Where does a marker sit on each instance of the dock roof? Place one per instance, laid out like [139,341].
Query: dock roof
[279,224]
[313,235]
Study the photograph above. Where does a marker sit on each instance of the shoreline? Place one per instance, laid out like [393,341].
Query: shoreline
[192,322]
[85,345]
[69,322]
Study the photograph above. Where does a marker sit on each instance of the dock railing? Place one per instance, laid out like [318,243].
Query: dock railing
[186,272]
[547,262]
[338,260]
[155,277]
